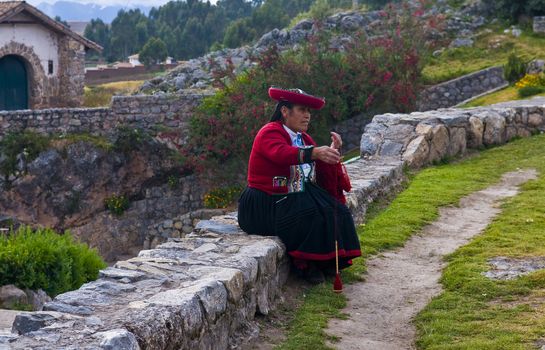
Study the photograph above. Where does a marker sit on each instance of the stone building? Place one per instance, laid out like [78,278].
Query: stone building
[41,61]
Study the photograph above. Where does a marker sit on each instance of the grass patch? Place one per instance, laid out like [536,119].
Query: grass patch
[67,139]
[412,209]
[101,95]
[306,331]
[491,48]
[508,94]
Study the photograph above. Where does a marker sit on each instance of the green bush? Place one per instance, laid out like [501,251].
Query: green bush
[530,90]
[43,259]
[13,144]
[117,204]
[514,69]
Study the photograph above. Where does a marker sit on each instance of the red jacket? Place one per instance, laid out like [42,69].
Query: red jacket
[272,156]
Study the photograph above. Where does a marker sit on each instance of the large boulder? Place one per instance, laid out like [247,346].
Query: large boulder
[12,297]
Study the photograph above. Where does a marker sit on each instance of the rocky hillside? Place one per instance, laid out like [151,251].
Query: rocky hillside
[67,185]
[197,73]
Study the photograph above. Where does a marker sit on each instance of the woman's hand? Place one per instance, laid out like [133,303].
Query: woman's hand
[336,141]
[326,154]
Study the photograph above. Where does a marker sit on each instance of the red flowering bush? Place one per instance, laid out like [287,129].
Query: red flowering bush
[369,75]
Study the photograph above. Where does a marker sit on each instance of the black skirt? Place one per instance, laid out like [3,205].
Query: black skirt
[307,222]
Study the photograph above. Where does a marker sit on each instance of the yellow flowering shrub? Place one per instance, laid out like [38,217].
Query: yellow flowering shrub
[531,80]
[222,197]
[117,204]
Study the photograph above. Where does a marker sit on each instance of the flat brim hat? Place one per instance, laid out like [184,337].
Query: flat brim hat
[296,96]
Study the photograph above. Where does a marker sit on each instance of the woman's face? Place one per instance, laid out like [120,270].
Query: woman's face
[297,118]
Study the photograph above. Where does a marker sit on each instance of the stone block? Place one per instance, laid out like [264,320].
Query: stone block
[457,143]
[417,153]
[117,339]
[27,322]
[391,148]
[37,299]
[475,132]
[439,143]
[494,129]
[535,120]
[424,130]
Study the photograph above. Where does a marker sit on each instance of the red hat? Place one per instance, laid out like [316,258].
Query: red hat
[296,96]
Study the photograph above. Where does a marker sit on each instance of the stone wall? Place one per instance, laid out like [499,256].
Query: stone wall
[453,92]
[200,292]
[57,121]
[177,227]
[422,138]
[351,131]
[72,73]
[145,221]
[165,116]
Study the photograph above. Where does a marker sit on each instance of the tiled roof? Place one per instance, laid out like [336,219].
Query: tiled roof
[7,6]
[10,8]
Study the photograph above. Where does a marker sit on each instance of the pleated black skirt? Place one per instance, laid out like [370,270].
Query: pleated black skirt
[307,222]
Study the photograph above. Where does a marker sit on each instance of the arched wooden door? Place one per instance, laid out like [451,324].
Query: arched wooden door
[13,83]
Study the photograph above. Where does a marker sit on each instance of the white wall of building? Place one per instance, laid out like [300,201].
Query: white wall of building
[43,41]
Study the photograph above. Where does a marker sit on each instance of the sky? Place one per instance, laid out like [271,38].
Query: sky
[108,2]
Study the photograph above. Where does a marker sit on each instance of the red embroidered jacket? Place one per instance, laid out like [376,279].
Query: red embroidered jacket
[272,156]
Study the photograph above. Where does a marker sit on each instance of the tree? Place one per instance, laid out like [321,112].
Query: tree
[153,52]
[189,28]
[513,10]
[238,32]
[99,32]
[61,21]
[127,33]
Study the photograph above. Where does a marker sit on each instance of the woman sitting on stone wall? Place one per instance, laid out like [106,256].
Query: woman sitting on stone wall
[295,189]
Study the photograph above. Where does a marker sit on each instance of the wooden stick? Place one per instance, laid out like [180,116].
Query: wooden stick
[336,256]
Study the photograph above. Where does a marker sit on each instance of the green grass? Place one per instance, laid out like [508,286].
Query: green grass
[307,329]
[508,94]
[411,210]
[101,95]
[99,141]
[490,49]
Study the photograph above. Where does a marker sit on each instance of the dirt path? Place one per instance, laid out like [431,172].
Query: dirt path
[399,284]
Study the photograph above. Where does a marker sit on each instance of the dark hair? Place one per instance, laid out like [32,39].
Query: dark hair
[277,115]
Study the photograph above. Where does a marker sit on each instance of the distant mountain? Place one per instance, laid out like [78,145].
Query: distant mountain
[73,11]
